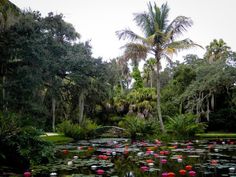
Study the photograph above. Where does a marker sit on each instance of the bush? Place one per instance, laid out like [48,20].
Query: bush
[88,128]
[139,128]
[69,129]
[22,143]
[185,126]
[76,131]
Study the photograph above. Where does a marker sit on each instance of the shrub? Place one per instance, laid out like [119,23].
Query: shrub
[185,126]
[76,131]
[138,128]
[88,128]
[22,143]
[69,129]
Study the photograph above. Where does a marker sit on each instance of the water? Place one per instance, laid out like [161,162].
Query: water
[117,157]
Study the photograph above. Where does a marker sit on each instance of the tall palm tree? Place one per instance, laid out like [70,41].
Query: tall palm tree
[159,39]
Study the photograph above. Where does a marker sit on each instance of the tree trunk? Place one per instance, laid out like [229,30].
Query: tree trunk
[159,96]
[53,113]
[208,110]
[151,79]
[181,107]
[81,107]
[3,93]
[212,101]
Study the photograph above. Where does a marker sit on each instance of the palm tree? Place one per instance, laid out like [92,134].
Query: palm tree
[159,39]
[217,50]
[148,70]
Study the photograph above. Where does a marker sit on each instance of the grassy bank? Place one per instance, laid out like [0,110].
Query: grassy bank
[216,135]
[57,138]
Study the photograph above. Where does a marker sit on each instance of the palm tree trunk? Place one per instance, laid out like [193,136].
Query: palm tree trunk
[53,113]
[151,79]
[159,96]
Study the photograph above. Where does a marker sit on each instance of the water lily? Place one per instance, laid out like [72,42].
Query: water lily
[70,163]
[182,172]
[100,172]
[53,174]
[188,167]
[94,167]
[90,148]
[171,174]
[166,152]
[65,151]
[150,164]
[144,168]
[103,157]
[27,174]
[162,152]
[214,162]
[179,160]
[163,161]
[192,173]
[140,154]
[165,174]
[156,155]
[75,157]
[113,153]
[231,169]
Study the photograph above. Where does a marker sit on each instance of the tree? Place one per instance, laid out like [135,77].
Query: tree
[217,50]
[149,68]
[59,36]
[214,78]
[159,39]
[8,16]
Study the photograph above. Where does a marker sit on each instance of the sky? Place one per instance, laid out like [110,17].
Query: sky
[98,20]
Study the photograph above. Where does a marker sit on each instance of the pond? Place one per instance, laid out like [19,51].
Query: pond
[119,158]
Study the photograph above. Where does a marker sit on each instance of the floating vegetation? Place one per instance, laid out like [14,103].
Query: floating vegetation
[118,157]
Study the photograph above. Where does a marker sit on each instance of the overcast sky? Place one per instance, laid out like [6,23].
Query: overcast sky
[98,20]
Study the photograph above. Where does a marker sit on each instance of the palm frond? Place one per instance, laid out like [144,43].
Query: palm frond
[164,16]
[144,21]
[168,57]
[135,51]
[128,34]
[178,26]
[177,46]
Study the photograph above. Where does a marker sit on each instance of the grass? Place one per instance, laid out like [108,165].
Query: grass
[57,138]
[216,135]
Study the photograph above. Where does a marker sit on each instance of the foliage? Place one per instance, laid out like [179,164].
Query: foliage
[138,83]
[160,40]
[89,128]
[69,129]
[138,128]
[22,142]
[184,126]
[76,131]
[140,102]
